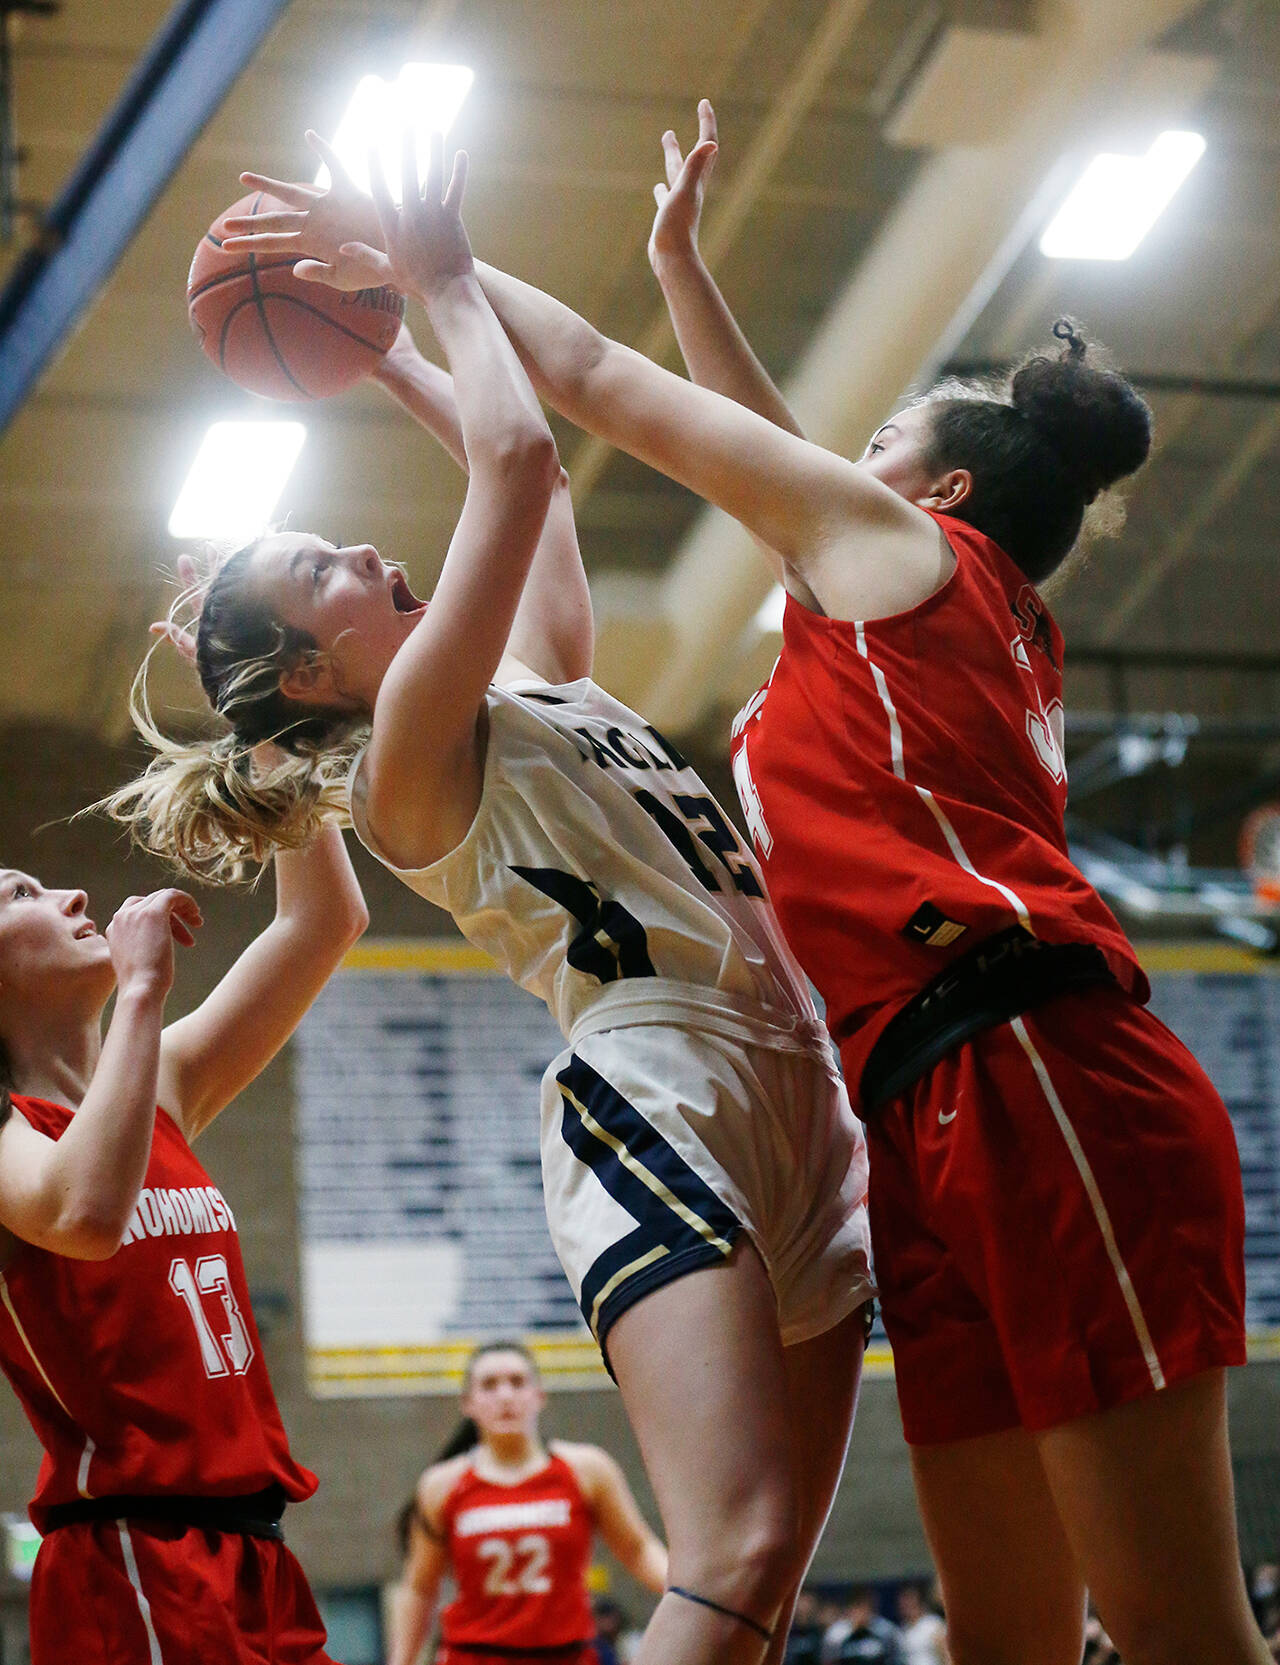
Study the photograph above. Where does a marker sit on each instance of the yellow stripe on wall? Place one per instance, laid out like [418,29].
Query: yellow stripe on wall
[418,954]
[446,955]
[1204,957]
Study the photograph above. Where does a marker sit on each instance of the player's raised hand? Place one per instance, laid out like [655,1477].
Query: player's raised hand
[313,225]
[141,939]
[675,225]
[425,242]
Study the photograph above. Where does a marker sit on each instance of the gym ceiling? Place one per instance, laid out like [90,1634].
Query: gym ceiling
[886,169]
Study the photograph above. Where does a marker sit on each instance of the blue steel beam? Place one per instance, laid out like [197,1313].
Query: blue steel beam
[188,70]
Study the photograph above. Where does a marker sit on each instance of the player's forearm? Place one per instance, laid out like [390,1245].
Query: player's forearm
[503,426]
[317,893]
[715,350]
[560,350]
[649,1566]
[426,392]
[101,1160]
[411,1614]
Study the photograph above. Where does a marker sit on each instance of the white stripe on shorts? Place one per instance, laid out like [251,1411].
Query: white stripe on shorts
[154,1656]
[1095,1199]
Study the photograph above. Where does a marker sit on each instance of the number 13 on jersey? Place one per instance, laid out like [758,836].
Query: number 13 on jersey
[222,1352]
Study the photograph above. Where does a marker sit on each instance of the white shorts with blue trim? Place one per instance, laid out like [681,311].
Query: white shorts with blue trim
[663,1144]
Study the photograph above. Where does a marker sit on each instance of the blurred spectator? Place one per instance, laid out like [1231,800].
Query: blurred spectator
[1264,1596]
[611,1621]
[860,1635]
[804,1639]
[924,1635]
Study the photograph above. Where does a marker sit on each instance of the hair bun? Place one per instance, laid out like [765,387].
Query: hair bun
[1096,422]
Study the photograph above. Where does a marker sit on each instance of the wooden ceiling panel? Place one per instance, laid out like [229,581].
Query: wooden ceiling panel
[564,123]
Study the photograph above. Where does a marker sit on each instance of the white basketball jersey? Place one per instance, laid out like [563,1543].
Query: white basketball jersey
[597,855]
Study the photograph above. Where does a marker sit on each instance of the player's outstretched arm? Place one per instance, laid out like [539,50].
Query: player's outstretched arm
[553,633]
[74,1196]
[423,771]
[842,535]
[857,545]
[208,1057]
[715,350]
[413,1601]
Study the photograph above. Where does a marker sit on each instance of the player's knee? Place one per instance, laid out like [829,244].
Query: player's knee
[751,1567]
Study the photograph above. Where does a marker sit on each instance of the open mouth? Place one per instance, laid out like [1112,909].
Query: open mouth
[88,929]
[402,597]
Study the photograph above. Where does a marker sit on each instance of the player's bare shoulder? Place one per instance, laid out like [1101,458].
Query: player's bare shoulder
[437,1482]
[592,1467]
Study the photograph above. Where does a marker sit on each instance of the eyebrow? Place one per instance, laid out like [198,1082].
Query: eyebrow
[889,428]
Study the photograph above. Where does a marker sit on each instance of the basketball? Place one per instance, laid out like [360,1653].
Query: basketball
[275,335]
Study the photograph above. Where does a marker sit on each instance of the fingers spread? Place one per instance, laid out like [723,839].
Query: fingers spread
[287,190]
[373,267]
[328,155]
[671,155]
[381,193]
[458,181]
[706,119]
[701,157]
[282,219]
[410,191]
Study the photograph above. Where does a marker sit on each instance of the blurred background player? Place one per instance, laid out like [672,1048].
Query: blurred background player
[512,1520]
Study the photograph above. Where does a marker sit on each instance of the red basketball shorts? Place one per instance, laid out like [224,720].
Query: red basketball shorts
[1057,1220]
[125,1593]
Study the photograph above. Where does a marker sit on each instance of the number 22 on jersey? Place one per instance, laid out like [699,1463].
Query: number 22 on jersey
[517,1569]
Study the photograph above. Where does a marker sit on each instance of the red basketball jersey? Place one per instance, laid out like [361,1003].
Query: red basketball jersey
[904,782]
[144,1373]
[519,1556]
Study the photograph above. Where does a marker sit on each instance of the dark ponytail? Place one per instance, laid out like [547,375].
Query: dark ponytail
[465,1437]
[1041,448]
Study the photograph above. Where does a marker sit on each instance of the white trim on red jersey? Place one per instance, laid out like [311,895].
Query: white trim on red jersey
[898,760]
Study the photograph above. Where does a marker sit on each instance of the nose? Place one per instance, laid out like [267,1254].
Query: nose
[365,559]
[76,902]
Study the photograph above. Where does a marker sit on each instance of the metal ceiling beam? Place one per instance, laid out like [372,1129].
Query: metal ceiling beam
[187,71]
[951,238]
[728,215]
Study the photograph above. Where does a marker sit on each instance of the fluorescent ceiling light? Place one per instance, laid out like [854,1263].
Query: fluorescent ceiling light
[425,97]
[236,480]
[768,621]
[1119,198]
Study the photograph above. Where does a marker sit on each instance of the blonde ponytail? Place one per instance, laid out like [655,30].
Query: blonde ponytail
[209,805]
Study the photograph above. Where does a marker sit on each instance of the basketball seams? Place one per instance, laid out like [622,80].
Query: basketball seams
[325,317]
[278,353]
[228,277]
[262,312]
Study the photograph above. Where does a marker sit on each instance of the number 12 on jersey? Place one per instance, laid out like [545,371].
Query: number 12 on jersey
[704,823]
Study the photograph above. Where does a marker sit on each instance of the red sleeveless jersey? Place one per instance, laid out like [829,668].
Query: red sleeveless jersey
[519,1556]
[143,1373]
[904,782]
